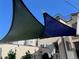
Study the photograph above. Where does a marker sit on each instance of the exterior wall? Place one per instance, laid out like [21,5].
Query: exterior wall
[71,54]
[48,41]
[70,50]
[30,42]
[39,42]
[75,40]
[74,20]
[66,50]
[65,22]
[50,49]
[20,50]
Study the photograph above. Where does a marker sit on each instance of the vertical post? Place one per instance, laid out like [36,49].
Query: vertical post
[62,48]
[77,33]
[37,42]
[64,45]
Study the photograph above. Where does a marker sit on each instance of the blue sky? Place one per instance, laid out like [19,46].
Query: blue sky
[37,7]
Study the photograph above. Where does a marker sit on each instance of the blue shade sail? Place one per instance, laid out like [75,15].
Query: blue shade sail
[54,28]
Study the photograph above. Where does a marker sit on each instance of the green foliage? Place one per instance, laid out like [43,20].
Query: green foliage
[11,55]
[27,55]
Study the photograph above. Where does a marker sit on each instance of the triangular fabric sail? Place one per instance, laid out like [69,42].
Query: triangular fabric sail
[24,25]
[54,28]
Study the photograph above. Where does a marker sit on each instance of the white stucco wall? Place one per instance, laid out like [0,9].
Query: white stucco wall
[20,50]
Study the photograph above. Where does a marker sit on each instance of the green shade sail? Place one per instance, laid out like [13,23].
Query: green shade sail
[24,25]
